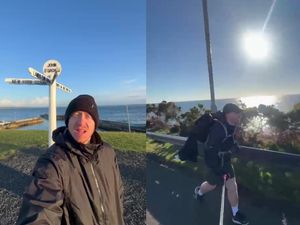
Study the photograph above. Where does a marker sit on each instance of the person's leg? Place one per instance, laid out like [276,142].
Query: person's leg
[232,194]
[231,186]
[206,187]
[233,198]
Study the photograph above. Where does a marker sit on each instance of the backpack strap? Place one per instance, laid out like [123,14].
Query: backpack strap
[224,127]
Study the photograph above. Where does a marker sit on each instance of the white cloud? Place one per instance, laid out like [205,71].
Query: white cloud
[36,102]
[6,103]
[40,101]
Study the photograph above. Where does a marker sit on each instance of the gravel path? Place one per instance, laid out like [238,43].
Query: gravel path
[15,176]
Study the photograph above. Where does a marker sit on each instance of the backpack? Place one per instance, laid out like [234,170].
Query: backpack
[199,133]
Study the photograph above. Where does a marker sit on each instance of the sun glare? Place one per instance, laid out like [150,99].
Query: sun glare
[256,45]
[255,101]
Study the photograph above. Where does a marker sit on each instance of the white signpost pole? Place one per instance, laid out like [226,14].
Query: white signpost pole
[52,111]
[52,69]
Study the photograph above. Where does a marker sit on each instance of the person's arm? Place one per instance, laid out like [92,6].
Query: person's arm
[43,198]
[119,183]
[120,191]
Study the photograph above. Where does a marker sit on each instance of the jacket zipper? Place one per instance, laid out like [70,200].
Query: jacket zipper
[99,192]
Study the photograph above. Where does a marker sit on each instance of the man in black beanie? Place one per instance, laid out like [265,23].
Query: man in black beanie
[77,181]
[217,154]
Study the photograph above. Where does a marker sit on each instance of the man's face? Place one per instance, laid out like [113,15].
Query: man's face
[81,126]
[233,118]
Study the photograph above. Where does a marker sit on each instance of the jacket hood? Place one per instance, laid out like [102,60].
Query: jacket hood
[62,137]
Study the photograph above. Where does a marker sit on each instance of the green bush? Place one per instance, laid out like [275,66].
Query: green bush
[277,182]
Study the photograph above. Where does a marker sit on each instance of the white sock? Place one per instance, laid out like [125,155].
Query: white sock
[235,209]
[200,193]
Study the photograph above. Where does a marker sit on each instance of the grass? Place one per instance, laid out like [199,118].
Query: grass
[126,141]
[167,151]
[12,141]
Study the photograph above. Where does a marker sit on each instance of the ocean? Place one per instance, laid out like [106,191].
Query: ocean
[284,103]
[136,113]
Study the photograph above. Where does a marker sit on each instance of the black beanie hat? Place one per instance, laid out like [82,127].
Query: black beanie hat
[230,107]
[84,103]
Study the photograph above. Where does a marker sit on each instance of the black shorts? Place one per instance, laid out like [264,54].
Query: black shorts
[215,179]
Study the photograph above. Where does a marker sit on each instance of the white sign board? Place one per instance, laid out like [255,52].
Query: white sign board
[51,67]
[38,75]
[63,87]
[25,81]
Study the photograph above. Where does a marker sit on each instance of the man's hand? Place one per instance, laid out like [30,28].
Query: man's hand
[226,176]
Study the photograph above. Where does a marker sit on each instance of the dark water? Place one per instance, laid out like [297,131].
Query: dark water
[136,113]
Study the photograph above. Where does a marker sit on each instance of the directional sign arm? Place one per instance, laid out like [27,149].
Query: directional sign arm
[43,78]
[39,75]
[25,81]
[63,87]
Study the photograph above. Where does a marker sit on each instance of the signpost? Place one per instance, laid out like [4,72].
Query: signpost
[51,69]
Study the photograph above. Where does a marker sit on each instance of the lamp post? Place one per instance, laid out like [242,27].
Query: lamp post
[213,106]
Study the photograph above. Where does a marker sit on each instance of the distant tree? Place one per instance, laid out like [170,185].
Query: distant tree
[162,107]
[169,109]
[151,108]
[248,114]
[188,119]
[276,118]
[296,107]
[241,104]
[294,115]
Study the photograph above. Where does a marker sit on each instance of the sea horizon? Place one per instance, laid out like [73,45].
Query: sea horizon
[283,103]
[136,114]
[40,107]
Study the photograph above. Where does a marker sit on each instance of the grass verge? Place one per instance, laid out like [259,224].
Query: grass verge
[167,152]
[13,140]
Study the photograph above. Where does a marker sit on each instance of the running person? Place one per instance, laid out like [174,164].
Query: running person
[218,149]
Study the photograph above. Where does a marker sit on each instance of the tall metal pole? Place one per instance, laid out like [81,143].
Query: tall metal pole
[128,120]
[208,53]
[52,111]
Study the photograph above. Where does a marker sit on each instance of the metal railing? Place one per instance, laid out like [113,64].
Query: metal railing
[245,153]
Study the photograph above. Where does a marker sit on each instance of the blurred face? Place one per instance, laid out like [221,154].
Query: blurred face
[81,126]
[233,118]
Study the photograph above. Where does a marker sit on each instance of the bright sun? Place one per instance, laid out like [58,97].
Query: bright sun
[256,45]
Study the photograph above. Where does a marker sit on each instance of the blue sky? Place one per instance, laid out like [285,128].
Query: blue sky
[100,44]
[176,54]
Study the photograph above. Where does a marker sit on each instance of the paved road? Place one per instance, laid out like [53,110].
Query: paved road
[170,201]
